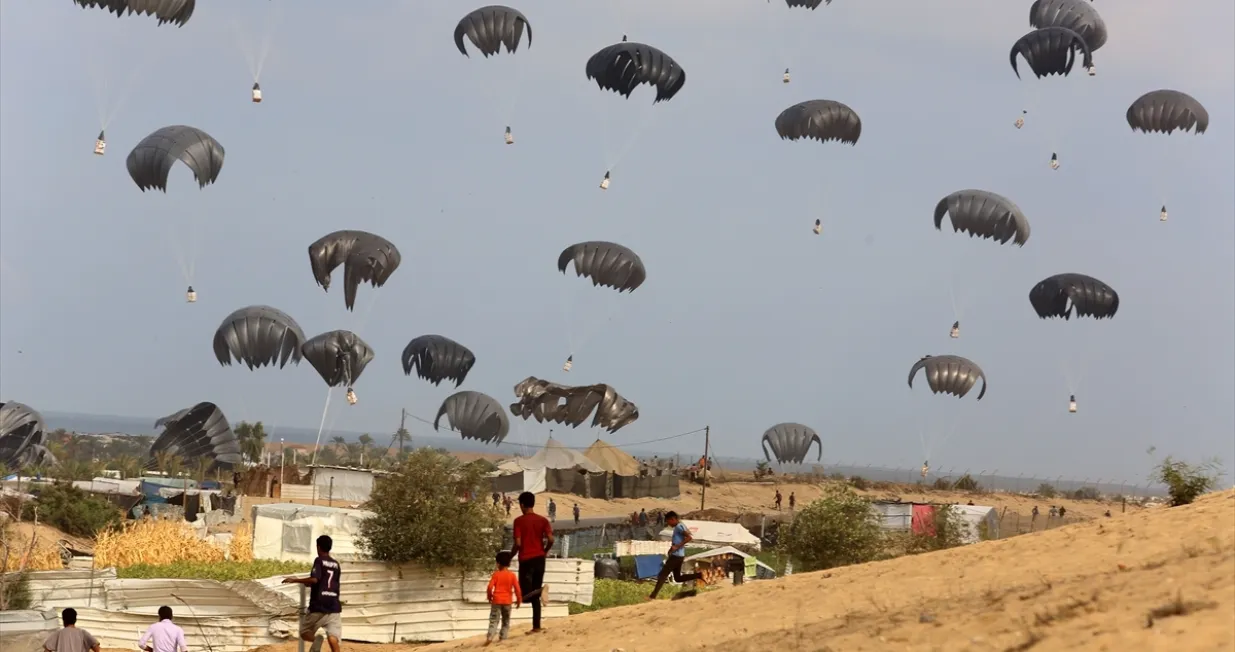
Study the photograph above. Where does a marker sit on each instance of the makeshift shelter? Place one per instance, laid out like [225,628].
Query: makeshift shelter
[553,468]
[708,534]
[717,557]
[287,532]
[981,522]
[343,483]
[612,459]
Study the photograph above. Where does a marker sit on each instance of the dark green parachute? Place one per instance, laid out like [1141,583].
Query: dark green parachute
[489,28]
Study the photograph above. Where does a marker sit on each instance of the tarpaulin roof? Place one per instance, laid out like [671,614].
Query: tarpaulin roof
[554,455]
[705,533]
[612,459]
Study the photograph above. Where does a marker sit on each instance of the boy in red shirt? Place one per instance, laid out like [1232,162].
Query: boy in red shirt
[502,587]
[533,540]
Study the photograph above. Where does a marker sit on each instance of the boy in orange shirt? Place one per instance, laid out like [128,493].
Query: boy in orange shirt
[503,586]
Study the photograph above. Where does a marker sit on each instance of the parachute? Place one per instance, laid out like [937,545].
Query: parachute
[606,263]
[23,437]
[150,162]
[489,28]
[437,358]
[475,416]
[1050,51]
[571,406]
[822,120]
[258,336]
[790,443]
[983,214]
[1165,111]
[339,358]
[623,66]
[166,11]
[1063,295]
[950,374]
[195,433]
[808,4]
[1077,15]
[365,258]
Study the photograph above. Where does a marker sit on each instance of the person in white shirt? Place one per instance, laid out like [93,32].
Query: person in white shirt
[163,636]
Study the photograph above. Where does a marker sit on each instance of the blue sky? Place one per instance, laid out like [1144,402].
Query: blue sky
[373,121]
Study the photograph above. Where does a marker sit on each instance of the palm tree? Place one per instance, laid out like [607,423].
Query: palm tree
[252,438]
[128,466]
[201,468]
[365,442]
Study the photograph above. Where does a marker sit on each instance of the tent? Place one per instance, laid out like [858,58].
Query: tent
[755,569]
[983,522]
[288,532]
[709,534]
[613,459]
[553,468]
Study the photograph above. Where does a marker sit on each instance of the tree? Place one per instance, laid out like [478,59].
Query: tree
[1047,490]
[1186,482]
[168,463]
[365,442]
[837,530]
[402,436]
[71,510]
[423,514]
[252,438]
[75,470]
[128,466]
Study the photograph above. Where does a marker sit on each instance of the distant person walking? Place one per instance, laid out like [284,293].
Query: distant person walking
[69,638]
[677,554]
[508,503]
[1062,511]
[1034,514]
[1053,513]
[163,636]
[575,510]
[533,540]
[643,518]
[502,591]
[324,607]
[497,498]
[778,499]
[552,511]
[793,500]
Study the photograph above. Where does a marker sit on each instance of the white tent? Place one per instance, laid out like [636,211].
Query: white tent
[982,522]
[530,473]
[708,534]
[288,532]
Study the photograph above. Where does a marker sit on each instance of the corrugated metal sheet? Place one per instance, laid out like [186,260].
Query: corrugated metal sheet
[25,622]
[119,629]
[68,588]
[298,492]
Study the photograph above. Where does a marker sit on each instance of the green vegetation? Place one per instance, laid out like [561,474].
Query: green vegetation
[950,532]
[1085,493]
[1186,482]
[967,483]
[71,510]
[222,571]
[617,593]
[422,514]
[859,483]
[1047,490]
[836,530]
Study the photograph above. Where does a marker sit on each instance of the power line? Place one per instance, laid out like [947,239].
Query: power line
[580,448]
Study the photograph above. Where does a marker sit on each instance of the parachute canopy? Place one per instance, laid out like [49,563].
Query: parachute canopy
[623,66]
[808,4]
[166,11]
[365,258]
[150,162]
[437,358]
[1165,111]
[983,214]
[1050,51]
[1063,295]
[606,263]
[23,437]
[489,28]
[338,356]
[194,434]
[258,336]
[790,443]
[950,374]
[1079,16]
[475,416]
[571,406]
[822,120]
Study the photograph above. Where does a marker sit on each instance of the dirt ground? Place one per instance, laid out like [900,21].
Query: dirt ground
[1156,579]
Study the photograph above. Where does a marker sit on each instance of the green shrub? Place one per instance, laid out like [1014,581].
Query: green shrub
[1186,482]
[942,484]
[71,510]
[222,571]
[1047,490]
[836,530]
[1085,493]
[967,483]
[859,483]
[617,593]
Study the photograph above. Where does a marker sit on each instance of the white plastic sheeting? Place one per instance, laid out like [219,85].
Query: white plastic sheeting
[708,533]
[288,532]
[58,589]
[109,486]
[334,483]
[978,518]
[637,548]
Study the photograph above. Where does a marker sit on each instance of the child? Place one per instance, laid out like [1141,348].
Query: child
[503,586]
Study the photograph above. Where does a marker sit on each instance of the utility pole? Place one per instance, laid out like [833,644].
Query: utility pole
[707,442]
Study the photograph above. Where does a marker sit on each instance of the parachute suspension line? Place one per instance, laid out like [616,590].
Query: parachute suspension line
[321,425]
[587,334]
[956,311]
[568,317]
[267,40]
[508,101]
[648,115]
[181,260]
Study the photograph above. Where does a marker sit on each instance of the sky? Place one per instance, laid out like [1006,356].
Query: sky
[372,120]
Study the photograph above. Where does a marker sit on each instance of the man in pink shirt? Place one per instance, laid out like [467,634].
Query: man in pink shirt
[163,636]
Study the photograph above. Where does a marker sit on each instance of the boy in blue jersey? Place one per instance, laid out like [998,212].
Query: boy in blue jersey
[324,607]
[677,554]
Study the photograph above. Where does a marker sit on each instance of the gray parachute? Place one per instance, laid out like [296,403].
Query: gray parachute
[1050,51]
[808,4]
[23,437]
[475,416]
[821,120]
[437,358]
[950,374]
[1079,16]
[623,66]
[790,443]
[1165,111]
[606,263]
[489,28]
[1063,295]
[258,336]
[166,11]
[197,433]
[983,214]
[546,401]
[150,162]
[338,356]
[365,257]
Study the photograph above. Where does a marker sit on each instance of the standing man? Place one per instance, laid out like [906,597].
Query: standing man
[677,554]
[163,636]
[324,607]
[552,511]
[69,638]
[778,499]
[793,500]
[576,513]
[533,540]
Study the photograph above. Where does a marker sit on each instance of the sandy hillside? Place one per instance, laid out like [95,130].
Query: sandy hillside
[1160,579]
